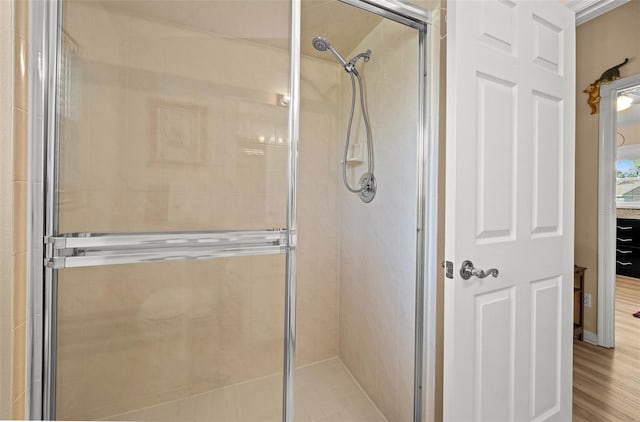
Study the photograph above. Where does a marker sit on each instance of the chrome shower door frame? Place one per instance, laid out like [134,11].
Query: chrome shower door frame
[45,243]
[427,23]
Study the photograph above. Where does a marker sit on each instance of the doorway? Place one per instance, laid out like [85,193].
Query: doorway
[613,254]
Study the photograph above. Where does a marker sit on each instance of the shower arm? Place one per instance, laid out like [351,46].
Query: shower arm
[351,66]
[365,56]
[338,56]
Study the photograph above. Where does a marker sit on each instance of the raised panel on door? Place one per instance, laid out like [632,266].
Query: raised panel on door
[498,26]
[494,352]
[496,178]
[548,44]
[546,329]
[547,162]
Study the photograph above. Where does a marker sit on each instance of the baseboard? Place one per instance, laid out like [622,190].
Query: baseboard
[590,337]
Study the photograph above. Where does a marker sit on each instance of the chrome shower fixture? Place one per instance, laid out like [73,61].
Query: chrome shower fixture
[367,185]
[323,44]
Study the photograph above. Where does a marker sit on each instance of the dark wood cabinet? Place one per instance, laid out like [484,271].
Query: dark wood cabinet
[628,247]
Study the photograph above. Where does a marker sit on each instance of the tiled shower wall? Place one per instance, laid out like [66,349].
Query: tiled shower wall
[132,336]
[20,188]
[377,256]
[13,204]
[6,229]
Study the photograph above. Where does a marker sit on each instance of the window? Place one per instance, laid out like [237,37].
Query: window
[628,177]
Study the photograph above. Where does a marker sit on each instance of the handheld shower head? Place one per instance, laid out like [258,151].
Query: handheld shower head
[323,44]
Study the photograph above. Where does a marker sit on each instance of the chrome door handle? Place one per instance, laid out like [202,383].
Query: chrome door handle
[624,228]
[467,271]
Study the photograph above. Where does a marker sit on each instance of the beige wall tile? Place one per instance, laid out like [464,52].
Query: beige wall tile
[6,209]
[18,361]
[18,408]
[19,288]
[73,211]
[21,17]
[5,328]
[6,277]
[20,65]
[19,217]
[182,327]
[224,317]
[6,204]
[377,255]
[20,145]
[13,209]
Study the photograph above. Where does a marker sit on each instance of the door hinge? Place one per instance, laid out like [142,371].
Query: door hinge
[449,269]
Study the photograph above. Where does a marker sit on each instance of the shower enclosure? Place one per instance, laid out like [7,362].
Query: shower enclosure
[203,259]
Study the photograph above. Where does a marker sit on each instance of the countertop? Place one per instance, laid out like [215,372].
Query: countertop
[628,213]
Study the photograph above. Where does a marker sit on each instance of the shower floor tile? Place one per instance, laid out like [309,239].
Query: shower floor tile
[325,392]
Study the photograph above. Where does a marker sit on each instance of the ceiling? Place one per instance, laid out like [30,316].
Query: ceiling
[260,21]
[345,26]
[267,21]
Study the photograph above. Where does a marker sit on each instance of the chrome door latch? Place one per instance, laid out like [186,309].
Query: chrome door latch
[448,269]
[467,271]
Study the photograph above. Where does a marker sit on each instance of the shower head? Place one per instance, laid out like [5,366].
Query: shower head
[323,44]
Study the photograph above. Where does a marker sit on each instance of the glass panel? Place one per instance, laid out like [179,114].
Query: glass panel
[173,115]
[179,341]
[356,260]
[628,181]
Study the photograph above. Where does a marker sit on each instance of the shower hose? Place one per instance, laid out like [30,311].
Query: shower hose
[354,74]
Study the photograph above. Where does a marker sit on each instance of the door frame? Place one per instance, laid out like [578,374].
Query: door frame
[606,336]
[45,242]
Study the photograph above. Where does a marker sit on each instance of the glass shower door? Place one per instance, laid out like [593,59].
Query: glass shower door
[168,250]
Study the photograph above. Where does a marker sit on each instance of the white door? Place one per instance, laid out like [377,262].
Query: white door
[509,205]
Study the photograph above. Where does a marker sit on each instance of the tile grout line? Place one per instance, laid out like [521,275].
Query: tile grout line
[361,389]
[146,408]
